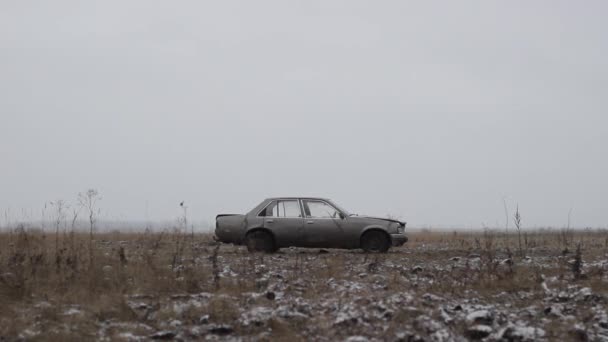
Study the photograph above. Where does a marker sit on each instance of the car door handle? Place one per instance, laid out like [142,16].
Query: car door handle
[269,221]
[310,222]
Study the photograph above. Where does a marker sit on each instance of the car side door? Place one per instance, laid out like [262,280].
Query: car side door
[285,219]
[323,225]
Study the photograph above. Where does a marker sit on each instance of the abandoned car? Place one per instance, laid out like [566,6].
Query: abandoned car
[307,222]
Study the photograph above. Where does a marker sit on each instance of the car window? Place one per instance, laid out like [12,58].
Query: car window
[318,209]
[290,208]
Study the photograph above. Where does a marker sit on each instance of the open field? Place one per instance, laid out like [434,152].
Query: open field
[441,286]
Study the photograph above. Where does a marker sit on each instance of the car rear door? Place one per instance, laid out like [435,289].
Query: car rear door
[285,219]
[323,225]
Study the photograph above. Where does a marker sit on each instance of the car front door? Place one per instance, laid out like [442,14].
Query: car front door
[284,218]
[323,225]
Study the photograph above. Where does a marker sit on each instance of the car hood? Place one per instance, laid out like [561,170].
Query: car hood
[402,224]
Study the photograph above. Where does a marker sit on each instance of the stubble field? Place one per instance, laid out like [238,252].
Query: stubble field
[441,286]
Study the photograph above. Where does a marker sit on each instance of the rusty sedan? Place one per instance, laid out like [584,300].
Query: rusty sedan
[307,222]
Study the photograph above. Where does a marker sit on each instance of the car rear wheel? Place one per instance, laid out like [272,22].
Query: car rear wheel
[260,241]
[375,242]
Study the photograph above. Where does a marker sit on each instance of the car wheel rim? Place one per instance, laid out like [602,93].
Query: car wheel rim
[374,243]
[253,244]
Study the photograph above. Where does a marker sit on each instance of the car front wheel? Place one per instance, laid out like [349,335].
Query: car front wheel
[375,242]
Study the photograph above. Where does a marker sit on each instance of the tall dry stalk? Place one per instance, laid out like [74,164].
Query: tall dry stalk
[184,218]
[75,213]
[43,217]
[517,219]
[504,203]
[60,215]
[88,200]
[566,233]
[9,228]
[215,267]
[179,238]
[577,266]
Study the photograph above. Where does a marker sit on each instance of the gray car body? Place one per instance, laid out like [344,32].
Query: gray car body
[341,232]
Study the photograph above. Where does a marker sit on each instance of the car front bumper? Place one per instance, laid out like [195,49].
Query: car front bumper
[398,239]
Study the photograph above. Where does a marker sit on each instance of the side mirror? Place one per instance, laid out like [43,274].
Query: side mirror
[342,216]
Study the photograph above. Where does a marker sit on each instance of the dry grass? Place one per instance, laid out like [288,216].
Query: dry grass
[54,287]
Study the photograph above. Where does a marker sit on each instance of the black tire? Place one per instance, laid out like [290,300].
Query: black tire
[375,241]
[260,241]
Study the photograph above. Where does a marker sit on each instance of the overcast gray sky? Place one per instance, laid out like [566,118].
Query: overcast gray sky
[429,111]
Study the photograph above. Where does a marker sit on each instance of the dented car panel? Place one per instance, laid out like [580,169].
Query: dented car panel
[309,222]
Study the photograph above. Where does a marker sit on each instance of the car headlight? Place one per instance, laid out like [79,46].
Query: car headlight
[401,228]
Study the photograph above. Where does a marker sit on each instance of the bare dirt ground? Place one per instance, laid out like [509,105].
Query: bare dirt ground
[450,286]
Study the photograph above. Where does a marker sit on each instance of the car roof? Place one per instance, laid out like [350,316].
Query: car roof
[295,198]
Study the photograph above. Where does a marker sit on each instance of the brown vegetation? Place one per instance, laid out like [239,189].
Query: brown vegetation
[175,285]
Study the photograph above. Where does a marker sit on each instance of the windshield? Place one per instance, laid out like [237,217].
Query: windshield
[345,212]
